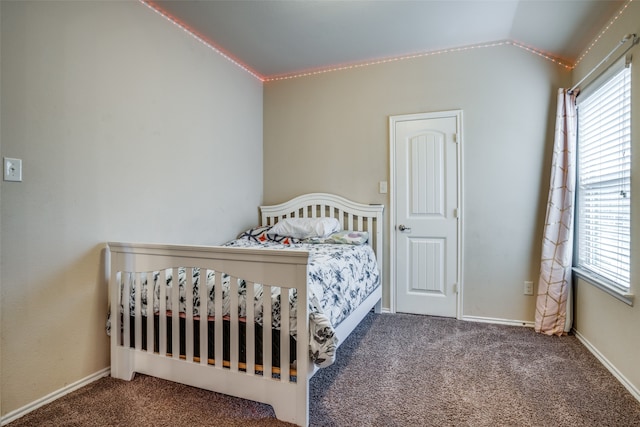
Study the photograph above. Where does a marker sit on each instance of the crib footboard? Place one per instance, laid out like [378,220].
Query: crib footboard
[285,387]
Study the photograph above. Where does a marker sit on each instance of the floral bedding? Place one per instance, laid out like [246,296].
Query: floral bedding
[340,277]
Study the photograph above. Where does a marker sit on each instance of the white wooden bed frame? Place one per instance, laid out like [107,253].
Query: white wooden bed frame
[285,269]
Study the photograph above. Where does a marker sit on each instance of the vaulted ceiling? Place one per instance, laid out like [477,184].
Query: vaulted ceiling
[279,38]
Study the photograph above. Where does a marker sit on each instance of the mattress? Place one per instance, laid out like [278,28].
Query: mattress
[340,277]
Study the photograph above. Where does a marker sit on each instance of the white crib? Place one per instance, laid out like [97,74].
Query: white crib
[285,388]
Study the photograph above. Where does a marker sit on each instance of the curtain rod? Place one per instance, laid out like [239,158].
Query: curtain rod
[606,58]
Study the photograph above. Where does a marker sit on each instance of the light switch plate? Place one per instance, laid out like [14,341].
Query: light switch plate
[383,187]
[12,169]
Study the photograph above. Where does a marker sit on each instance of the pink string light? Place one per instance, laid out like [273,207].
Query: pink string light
[150,4]
[193,33]
[418,55]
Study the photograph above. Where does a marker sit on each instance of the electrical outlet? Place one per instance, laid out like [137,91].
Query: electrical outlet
[528,287]
[12,169]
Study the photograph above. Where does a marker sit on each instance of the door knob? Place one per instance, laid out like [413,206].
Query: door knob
[403,227]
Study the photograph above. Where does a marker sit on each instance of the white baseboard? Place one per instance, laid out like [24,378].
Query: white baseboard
[509,322]
[607,364]
[14,415]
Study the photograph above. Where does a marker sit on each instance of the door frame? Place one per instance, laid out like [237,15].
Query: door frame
[392,201]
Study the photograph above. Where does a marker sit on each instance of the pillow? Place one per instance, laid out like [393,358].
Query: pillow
[304,228]
[262,235]
[342,237]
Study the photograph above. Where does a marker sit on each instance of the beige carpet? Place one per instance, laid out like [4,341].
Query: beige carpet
[394,370]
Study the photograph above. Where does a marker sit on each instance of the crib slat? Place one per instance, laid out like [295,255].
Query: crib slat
[233,330]
[162,315]
[284,334]
[266,331]
[218,342]
[188,330]
[360,223]
[204,308]
[175,314]
[349,221]
[137,311]
[251,330]
[150,317]
[126,289]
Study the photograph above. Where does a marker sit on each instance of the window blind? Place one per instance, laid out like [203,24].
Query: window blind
[603,215]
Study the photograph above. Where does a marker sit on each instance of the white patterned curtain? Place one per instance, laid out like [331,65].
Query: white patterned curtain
[553,306]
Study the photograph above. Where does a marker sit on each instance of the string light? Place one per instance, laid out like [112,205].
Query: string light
[542,54]
[599,36]
[151,4]
[157,9]
[417,55]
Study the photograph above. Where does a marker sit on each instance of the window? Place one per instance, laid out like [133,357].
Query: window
[603,188]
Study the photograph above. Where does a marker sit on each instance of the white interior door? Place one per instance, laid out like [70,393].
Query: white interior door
[425,232]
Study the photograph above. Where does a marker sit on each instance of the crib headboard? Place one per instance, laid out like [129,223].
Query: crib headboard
[352,215]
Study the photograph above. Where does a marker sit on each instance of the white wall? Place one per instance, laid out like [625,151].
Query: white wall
[329,132]
[608,326]
[129,130]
